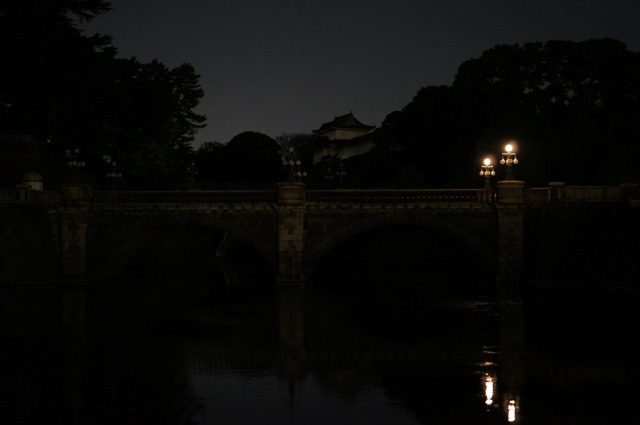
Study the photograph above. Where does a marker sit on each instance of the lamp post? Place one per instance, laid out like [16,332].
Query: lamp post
[509,159]
[342,172]
[291,161]
[114,175]
[192,170]
[329,176]
[76,162]
[486,171]
[335,172]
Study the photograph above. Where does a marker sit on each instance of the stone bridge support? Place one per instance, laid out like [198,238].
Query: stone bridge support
[510,231]
[74,223]
[291,205]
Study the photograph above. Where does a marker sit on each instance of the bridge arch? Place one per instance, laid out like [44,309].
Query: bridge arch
[482,250]
[111,247]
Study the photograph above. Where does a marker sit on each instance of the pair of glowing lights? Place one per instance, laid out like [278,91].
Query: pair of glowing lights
[508,157]
[490,392]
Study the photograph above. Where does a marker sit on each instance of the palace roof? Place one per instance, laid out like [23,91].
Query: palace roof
[343,121]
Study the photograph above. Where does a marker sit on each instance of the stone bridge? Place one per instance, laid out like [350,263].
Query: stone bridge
[95,233]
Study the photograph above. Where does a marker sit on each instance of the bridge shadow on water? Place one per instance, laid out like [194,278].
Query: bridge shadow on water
[397,325]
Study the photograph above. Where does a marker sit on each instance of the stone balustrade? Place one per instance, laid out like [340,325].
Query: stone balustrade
[183,197]
[390,196]
[556,191]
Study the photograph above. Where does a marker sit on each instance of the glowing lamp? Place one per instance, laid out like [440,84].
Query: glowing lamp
[509,159]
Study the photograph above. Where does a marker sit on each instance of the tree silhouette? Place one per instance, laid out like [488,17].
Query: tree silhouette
[74,92]
[574,107]
[249,158]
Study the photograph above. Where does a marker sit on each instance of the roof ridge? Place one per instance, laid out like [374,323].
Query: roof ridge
[343,121]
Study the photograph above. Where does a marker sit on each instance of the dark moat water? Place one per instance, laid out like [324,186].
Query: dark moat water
[328,354]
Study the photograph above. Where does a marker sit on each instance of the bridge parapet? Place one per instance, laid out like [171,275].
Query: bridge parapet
[48,197]
[594,193]
[26,194]
[537,195]
[558,191]
[399,196]
[184,197]
[10,195]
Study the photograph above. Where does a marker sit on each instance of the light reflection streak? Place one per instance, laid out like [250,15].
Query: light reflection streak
[488,389]
[511,411]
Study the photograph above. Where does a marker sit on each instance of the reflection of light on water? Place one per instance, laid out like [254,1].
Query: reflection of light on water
[488,389]
[511,411]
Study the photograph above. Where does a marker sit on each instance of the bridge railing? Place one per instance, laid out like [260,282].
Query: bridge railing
[537,195]
[627,192]
[22,194]
[183,197]
[9,195]
[601,193]
[390,196]
[559,192]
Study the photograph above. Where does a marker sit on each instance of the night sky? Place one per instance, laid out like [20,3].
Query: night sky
[287,66]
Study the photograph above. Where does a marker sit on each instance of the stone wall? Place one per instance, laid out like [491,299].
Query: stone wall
[28,249]
[585,241]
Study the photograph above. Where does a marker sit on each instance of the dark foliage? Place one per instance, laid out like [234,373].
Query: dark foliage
[573,108]
[73,92]
[249,158]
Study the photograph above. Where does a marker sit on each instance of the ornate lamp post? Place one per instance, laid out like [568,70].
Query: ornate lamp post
[337,175]
[486,171]
[335,172]
[342,172]
[329,176]
[76,162]
[114,175]
[291,161]
[192,170]
[509,159]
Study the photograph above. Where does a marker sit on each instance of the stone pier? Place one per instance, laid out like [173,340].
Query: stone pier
[291,205]
[74,220]
[510,231]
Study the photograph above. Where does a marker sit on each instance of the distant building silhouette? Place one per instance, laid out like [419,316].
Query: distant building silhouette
[346,137]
